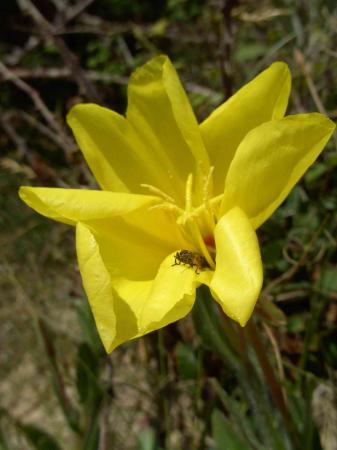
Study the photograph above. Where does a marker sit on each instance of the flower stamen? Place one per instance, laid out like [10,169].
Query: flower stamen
[207,194]
[168,207]
[188,194]
[202,245]
[190,218]
[158,192]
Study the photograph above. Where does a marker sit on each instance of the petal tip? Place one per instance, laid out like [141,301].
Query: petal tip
[77,109]
[243,320]
[320,120]
[151,68]
[281,68]
[331,125]
[23,193]
[281,65]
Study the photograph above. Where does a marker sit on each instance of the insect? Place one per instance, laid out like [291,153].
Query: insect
[192,259]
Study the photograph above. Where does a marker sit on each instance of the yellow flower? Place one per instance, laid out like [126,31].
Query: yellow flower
[169,184]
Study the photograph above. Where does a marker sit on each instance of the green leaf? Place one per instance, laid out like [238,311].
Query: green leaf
[87,370]
[70,411]
[209,327]
[315,172]
[91,439]
[88,326]
[224,436]
[186,361]
[147,439]
[248,52]
[328,279]
[293,202]
[41,440]
[272,252]
[329,348]
[237,410]
[271,312]
[296,324]
[3,441]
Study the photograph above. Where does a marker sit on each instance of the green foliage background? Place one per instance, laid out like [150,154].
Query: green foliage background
[58,389]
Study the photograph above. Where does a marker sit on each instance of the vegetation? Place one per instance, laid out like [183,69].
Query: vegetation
[189,386]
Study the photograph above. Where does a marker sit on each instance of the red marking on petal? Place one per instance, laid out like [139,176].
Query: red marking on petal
[209,240]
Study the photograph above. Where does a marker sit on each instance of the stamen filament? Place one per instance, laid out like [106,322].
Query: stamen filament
[188,193]
[207,196]
[159,192]
[191,218]
[168,207]
[202,245]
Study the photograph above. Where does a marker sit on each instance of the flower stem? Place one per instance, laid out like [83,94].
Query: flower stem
[275,388]
[274,385]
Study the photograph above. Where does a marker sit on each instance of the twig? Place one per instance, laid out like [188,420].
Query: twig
[40,106]
[202,90]
[37,166]
[128,58]
[64,72]
[299,57]
[18,53]
[274,385]
[18,141]
[47,29]
[68,12]
[278,359]
[226,41]
[272,53]
[291,272]
[287,275]
[77,9]
[101,26]
[60,5]
[292,295]
[31,120]
[31,92]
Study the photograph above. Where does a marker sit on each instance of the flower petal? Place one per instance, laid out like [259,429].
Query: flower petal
[116,319]
[136,237]
[97,284]
[159,110]
[117,157]
[270,160]
[74,205]
[238,275]
[171,296]
[263,99]
[124,309]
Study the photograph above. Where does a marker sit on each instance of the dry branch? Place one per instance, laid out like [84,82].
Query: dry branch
[70,60]
[67,143]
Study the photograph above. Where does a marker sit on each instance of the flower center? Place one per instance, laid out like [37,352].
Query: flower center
[198,222]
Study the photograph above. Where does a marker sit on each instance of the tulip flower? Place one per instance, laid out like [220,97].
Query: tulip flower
[179,203]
